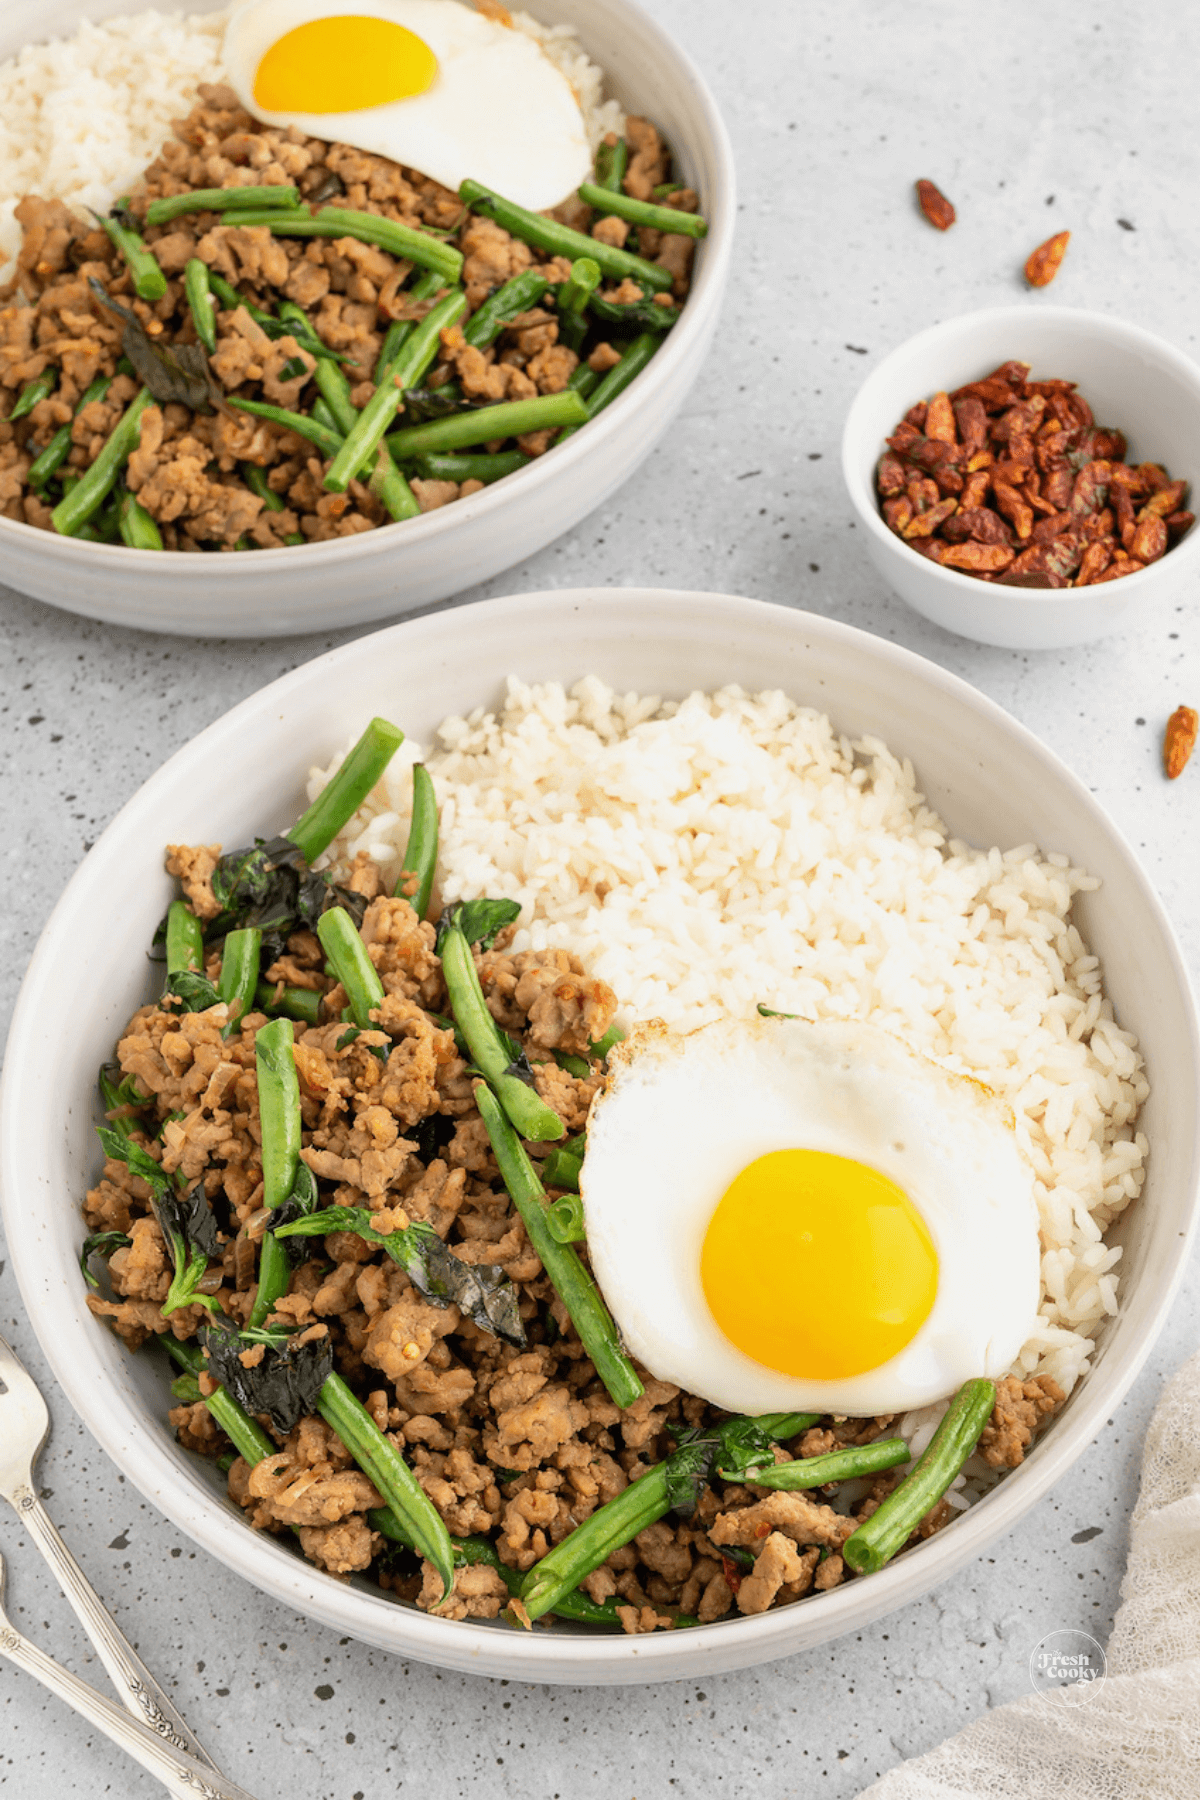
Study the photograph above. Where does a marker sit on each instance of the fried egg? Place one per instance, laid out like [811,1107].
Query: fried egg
[786,1216]
[430,83]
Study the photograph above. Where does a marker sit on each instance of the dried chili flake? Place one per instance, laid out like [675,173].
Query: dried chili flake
[935,206]
[1044,263]
[1179,740]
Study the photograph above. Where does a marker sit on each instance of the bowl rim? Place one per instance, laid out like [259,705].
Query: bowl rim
[559,1656]
[197,571]
[1133,337]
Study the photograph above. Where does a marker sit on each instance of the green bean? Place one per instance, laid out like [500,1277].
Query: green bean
[391,488]
[299,1003]
[33,393]
[611,162]
[613,1036]
[334,389]
[571,1281]
[304,334]
[185,939]
[619,377]
[279,1120]
[295,537]
[643,212]
[138,529]
[323,414]
[584,380]
[148,279]
[509,418]
[889,1528]
[382,1463]
[198,288]
[59,447]
[584,280]
[506,304]
[420,853]
[489,1050]
[330,442]
[341,798]
[387,483]
[343,945]
[560,240]
[427,285]
[255,478]
[90,493]
[410,364]
[838,1465]
[478,467]
[249,1438]
[578,1066]
[398,240]
[239,975]
[236,199]
[561,1169]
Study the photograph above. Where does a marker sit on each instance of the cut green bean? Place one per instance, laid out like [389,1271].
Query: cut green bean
[341,798]
[613,1036]
[478,467]
[328,441]
[584,280]
[619,377]
[138,529]
[275,328]
[33,393]
[489,1050]
[561,1169]
[185,939]
[643,212]
[584,380]
[148,279]
[236,199]
[517,295]
[280,1123]
[889,1528]
[837,1465]
[612,160]
[323,415]
[391,488]
[509,418]
[198,288]
[239,975]
[343,945]
[383,1464]
[426,287]
[255,478]
[51,459]
[334,389]
[302,1004]
[578,1066]
[398,240]
[387,483]
[247,1436]
[420,853]
[571,1281]
[560,240]
[91,491]
[410,364]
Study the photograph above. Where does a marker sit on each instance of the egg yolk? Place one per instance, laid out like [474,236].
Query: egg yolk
[817,1265]
[343,65]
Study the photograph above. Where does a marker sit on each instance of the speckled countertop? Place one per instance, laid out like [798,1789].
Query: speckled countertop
[1034,118]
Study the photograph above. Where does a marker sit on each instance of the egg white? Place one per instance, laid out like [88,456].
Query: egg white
[498,110]
[682,1116]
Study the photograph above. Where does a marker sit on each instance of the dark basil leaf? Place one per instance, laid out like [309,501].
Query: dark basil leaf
[744,1447]
[432,1135]
[285,1384]
[303,1200]
[122,1149]
[294,366]
[643,314]
[425,403]
[688,1470]
[480,921]
[271,888]
[188,1216]
[172,372]
[520,1065]
[189,991]
[100,1243]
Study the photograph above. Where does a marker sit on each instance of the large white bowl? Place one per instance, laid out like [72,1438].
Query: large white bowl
[1133,380]
[991,780]
[355,581]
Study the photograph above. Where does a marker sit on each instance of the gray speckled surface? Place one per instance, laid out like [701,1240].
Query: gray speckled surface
[1033,118]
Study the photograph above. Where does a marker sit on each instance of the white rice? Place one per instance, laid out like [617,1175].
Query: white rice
[707,855]
[82,117]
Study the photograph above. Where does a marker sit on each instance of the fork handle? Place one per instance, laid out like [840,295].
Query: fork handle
[135,1685]
[179,1773]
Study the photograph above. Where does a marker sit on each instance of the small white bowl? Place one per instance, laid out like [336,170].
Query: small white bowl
[1132,380]
[396,568]
[988,777]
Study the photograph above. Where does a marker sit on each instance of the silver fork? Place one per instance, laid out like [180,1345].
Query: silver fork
[179,1773]
[24,1428]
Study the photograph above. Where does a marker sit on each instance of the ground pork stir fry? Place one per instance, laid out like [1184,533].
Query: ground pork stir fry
[515,1445]
[208,476]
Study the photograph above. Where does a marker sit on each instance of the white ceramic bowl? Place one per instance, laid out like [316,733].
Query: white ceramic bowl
[1132,380]
[990,779]
[356,581]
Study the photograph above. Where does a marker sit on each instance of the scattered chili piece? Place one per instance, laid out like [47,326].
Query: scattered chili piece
[1012,480]
[1044,263]
[1179,740]
[934,204]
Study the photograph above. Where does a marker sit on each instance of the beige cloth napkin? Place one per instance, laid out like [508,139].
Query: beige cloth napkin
[1136,1737]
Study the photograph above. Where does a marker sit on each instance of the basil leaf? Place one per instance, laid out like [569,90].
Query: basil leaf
[285,1384]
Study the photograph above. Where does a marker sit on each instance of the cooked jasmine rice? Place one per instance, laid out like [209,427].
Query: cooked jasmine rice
[730,849]
[81,117]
